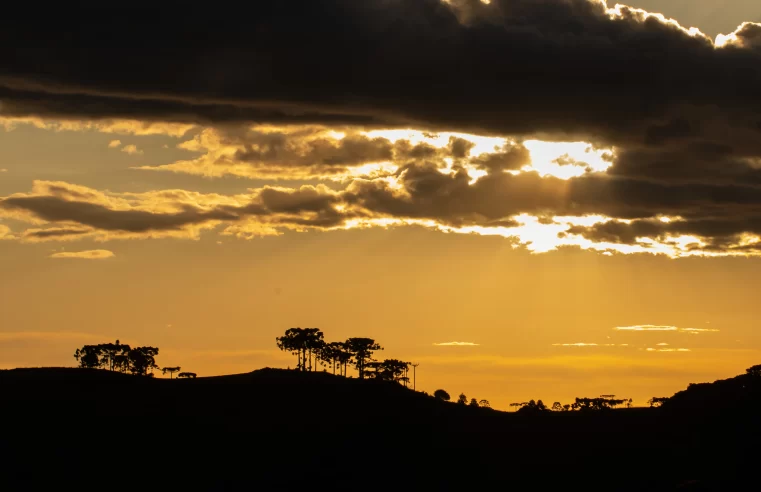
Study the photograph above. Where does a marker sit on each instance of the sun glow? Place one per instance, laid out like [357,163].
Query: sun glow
[566,160]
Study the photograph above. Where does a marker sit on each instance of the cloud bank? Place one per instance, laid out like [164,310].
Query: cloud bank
[671,121]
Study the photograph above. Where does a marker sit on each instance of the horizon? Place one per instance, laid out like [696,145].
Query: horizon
[531,201]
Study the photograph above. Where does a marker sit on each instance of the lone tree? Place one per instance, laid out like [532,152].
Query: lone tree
[473,402]
[188,375]
[484,404]
[441,395]
[303,342]
[462,399]
[170,370]
[361,350]
[557,407]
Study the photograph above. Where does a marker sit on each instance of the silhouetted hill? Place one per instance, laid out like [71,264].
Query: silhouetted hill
[737,396]
[283,430]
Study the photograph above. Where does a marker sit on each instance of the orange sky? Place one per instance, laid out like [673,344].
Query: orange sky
[537,312]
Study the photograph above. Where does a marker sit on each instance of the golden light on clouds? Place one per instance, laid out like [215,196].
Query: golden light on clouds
[622,11]
[567,160]
[456,344]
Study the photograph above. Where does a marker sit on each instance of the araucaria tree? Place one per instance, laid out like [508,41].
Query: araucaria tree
[361,350]
[170,370]
[304,342]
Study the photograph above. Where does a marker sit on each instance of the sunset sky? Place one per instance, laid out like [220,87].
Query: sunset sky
[531,199]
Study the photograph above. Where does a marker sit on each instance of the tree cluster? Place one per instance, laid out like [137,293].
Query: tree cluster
[311,349]
[601,403]
[657,401]
[119,357]
[462,399]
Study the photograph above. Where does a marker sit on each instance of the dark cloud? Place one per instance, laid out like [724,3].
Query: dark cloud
[683,115]
[451,198]
[158,211]
[510,67]
[311,149]
[54,234]
[509,158]
[55,209]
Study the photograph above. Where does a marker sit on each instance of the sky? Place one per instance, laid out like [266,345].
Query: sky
[533,200]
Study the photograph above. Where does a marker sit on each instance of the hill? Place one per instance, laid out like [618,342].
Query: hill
[278,429]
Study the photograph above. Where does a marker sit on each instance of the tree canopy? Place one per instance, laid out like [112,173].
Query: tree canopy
[441,395]
[361,350]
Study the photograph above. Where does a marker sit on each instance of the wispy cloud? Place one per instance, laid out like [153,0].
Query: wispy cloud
[590,344]
[3,170]
[114,144]
[665,328]
[646,328]
[457,344]
[131,149]
[94,254]
[650,349]
[662,344]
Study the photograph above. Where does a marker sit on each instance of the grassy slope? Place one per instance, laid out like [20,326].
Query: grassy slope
[280,429]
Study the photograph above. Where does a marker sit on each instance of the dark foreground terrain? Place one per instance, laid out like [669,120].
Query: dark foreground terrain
[76,429]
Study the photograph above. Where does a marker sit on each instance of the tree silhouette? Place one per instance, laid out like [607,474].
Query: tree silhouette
[111,356]
[361,350]
[441,395]
[142,360]
[462,399]
[600,403]
[754,370]
[342,355]
[302,342]
[188,375]
[170,370]
[484,404]
[88,356]
[388,370]
[473,402]
[557,407]
[566,407]
[657,401]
